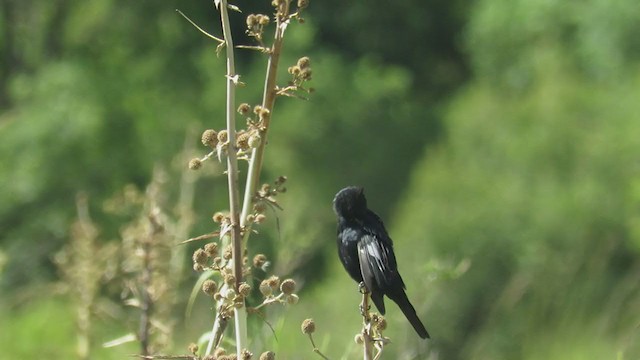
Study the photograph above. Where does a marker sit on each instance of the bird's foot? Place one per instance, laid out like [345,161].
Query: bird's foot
[362,288]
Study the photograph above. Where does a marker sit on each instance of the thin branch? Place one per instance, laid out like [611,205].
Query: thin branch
[239,221]
[202,237]
[199,28]
[216,333]
[366,326]
[232,159]
[268,101]
[270,301]
[146,301]
[316,349]
[234,196]
[262,49]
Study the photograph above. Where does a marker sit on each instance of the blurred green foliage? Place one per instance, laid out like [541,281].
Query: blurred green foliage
[497,135]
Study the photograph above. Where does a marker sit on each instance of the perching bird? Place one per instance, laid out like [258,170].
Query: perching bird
[366,251]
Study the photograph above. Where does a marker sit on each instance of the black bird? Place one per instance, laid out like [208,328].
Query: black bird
[366,251]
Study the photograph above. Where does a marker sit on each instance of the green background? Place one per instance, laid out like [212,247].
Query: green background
[498,139]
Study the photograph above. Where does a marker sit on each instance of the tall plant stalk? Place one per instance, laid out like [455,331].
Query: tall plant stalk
[237,226]
[268,102]
[232,175]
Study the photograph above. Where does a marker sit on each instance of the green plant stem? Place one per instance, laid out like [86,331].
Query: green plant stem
[366,328]
[315,348]
[232,156]
[268,101]
[232,176]
[218,328]
[255,163]
[146,302]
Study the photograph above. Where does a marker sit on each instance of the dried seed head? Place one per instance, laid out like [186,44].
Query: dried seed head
[292,299]
[195,164]
[242,141]
[245,354]
[268,355]
[211,249]
[305,74]
[209,287]
[198,267]
[359,339]
[244,108]
[200,257]
[294,70]
[281,180]
[303,4]
[380,323]
[265,289]
[303,62]
[218,217]
[229,294]
[252,20]
[244,289]
[259,260]
[260,218]
[254,141]
[263,20]
[209,357]
[228,253]
[226,271]
[308,326]
[219,352]
[288,286]
[264,113]
[274,282]
[210,138]
[257,109]
[193,348]
[229,279]
[223,136]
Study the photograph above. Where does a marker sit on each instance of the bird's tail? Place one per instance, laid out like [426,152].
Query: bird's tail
[410,313]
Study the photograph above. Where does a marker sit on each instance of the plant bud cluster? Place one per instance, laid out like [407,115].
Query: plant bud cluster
[255,26]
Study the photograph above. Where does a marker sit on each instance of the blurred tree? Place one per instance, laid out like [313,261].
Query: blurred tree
[597,38]
[533,176]
[103,90]
[92,108]
[533,186]
[422,37]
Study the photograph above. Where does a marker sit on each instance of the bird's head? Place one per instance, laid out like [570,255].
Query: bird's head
[350,202]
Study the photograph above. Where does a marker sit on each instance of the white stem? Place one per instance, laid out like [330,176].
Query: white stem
[232,175]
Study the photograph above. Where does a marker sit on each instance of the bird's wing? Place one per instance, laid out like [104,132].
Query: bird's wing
[377,263]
